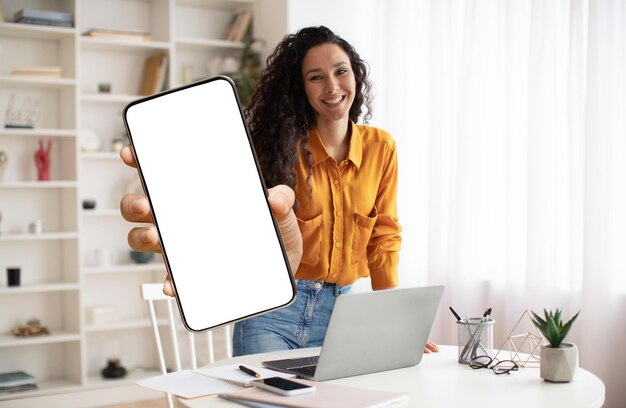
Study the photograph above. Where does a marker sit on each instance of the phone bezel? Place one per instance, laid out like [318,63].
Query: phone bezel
[302,388]
[155,216]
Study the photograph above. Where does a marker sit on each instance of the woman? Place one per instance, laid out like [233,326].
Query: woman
[302,119]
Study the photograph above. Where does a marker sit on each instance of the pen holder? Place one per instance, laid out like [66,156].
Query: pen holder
[475,338]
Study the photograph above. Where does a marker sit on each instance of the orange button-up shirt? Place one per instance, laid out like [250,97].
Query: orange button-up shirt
[347,214]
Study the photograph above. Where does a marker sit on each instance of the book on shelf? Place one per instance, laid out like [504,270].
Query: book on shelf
[41,21]
[44,17]
[229,26]
[40,71]
[43,14]
[238,26]
[135,35]
[15,381]
[17,388]
[153,76]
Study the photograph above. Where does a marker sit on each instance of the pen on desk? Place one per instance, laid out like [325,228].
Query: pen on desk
[249,371]
[456,315]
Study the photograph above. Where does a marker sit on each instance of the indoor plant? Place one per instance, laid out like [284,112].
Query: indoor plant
[249,72]
[558,359]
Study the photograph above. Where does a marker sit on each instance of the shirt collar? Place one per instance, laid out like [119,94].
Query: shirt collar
[319,152]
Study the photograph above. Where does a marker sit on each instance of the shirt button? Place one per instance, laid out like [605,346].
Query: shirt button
[335,181]
[339,212]
[337,244]
[334,275]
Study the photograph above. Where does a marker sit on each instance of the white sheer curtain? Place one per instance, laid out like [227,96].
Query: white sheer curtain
[510,122]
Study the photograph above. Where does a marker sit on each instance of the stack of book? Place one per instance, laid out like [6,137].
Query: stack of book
[44,17]
[131,35]
[38,71]
[238,26]
[16,381]
[153,77]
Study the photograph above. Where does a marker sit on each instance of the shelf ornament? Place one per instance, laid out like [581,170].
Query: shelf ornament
[524,348]
[24,117]
[3,164]
[42,161]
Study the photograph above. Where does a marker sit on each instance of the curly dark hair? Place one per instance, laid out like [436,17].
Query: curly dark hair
[279,115]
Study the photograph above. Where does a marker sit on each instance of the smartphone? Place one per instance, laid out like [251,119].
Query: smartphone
[220,242]
[283,386]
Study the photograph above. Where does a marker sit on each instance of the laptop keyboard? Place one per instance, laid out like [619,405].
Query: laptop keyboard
[308,371]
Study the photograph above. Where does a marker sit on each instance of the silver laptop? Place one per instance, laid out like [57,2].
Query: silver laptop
[370,332]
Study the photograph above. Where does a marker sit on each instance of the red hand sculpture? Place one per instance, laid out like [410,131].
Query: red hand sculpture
[42,161]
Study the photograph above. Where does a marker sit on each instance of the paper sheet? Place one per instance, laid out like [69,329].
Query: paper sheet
[188,384]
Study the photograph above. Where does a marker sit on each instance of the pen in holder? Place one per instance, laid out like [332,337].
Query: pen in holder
[475,338]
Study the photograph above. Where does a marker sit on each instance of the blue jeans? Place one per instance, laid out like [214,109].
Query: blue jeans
[301,324]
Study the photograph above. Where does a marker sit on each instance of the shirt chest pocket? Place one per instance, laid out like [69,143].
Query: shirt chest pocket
[311,240]
[362,232]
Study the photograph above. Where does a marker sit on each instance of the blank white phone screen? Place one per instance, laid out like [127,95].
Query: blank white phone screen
[220,243]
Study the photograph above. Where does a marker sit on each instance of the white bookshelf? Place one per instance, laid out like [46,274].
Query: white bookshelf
[62,280]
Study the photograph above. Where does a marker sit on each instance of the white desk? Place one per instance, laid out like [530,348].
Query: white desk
[439,381]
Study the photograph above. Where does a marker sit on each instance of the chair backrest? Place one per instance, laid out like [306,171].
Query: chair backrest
[153,292]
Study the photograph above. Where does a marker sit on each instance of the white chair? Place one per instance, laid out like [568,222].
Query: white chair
[153,292]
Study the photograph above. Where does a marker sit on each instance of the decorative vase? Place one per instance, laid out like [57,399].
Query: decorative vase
[141,257]
[113,369]
[558,364]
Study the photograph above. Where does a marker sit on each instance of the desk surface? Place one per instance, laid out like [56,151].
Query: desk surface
[439,381]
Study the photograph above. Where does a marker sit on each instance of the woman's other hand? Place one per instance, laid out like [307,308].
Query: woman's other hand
[431,347]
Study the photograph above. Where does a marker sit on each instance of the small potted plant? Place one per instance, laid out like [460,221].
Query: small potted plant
[558,360]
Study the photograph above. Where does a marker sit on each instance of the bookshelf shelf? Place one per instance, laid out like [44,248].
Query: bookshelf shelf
[223,4]
[46,236]
[201,43]
[33,81]
[33,31]
[121,45]
[60,133]
[50,287]
[128,268]
[127,324]
[101,156]
[57,336]
[96,380]
[110,212]
[109,98]
[38,184]
[44,388]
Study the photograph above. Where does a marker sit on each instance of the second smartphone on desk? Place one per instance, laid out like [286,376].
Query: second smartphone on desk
[282,386]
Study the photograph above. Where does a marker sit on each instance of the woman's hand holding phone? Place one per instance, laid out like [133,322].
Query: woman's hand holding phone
[135,208]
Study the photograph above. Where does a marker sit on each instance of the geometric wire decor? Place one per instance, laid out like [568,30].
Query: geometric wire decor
[523,347]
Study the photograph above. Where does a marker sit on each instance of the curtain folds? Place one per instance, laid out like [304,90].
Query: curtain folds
[511,131]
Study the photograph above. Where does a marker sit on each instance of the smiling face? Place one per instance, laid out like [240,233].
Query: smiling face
[329,82]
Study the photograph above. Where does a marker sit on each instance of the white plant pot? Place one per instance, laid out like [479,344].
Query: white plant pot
[559,364]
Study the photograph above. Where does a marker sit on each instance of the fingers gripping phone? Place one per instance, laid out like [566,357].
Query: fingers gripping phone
[220,243]
[283,386]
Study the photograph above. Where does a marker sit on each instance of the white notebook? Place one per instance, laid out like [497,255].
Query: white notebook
[326,395]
